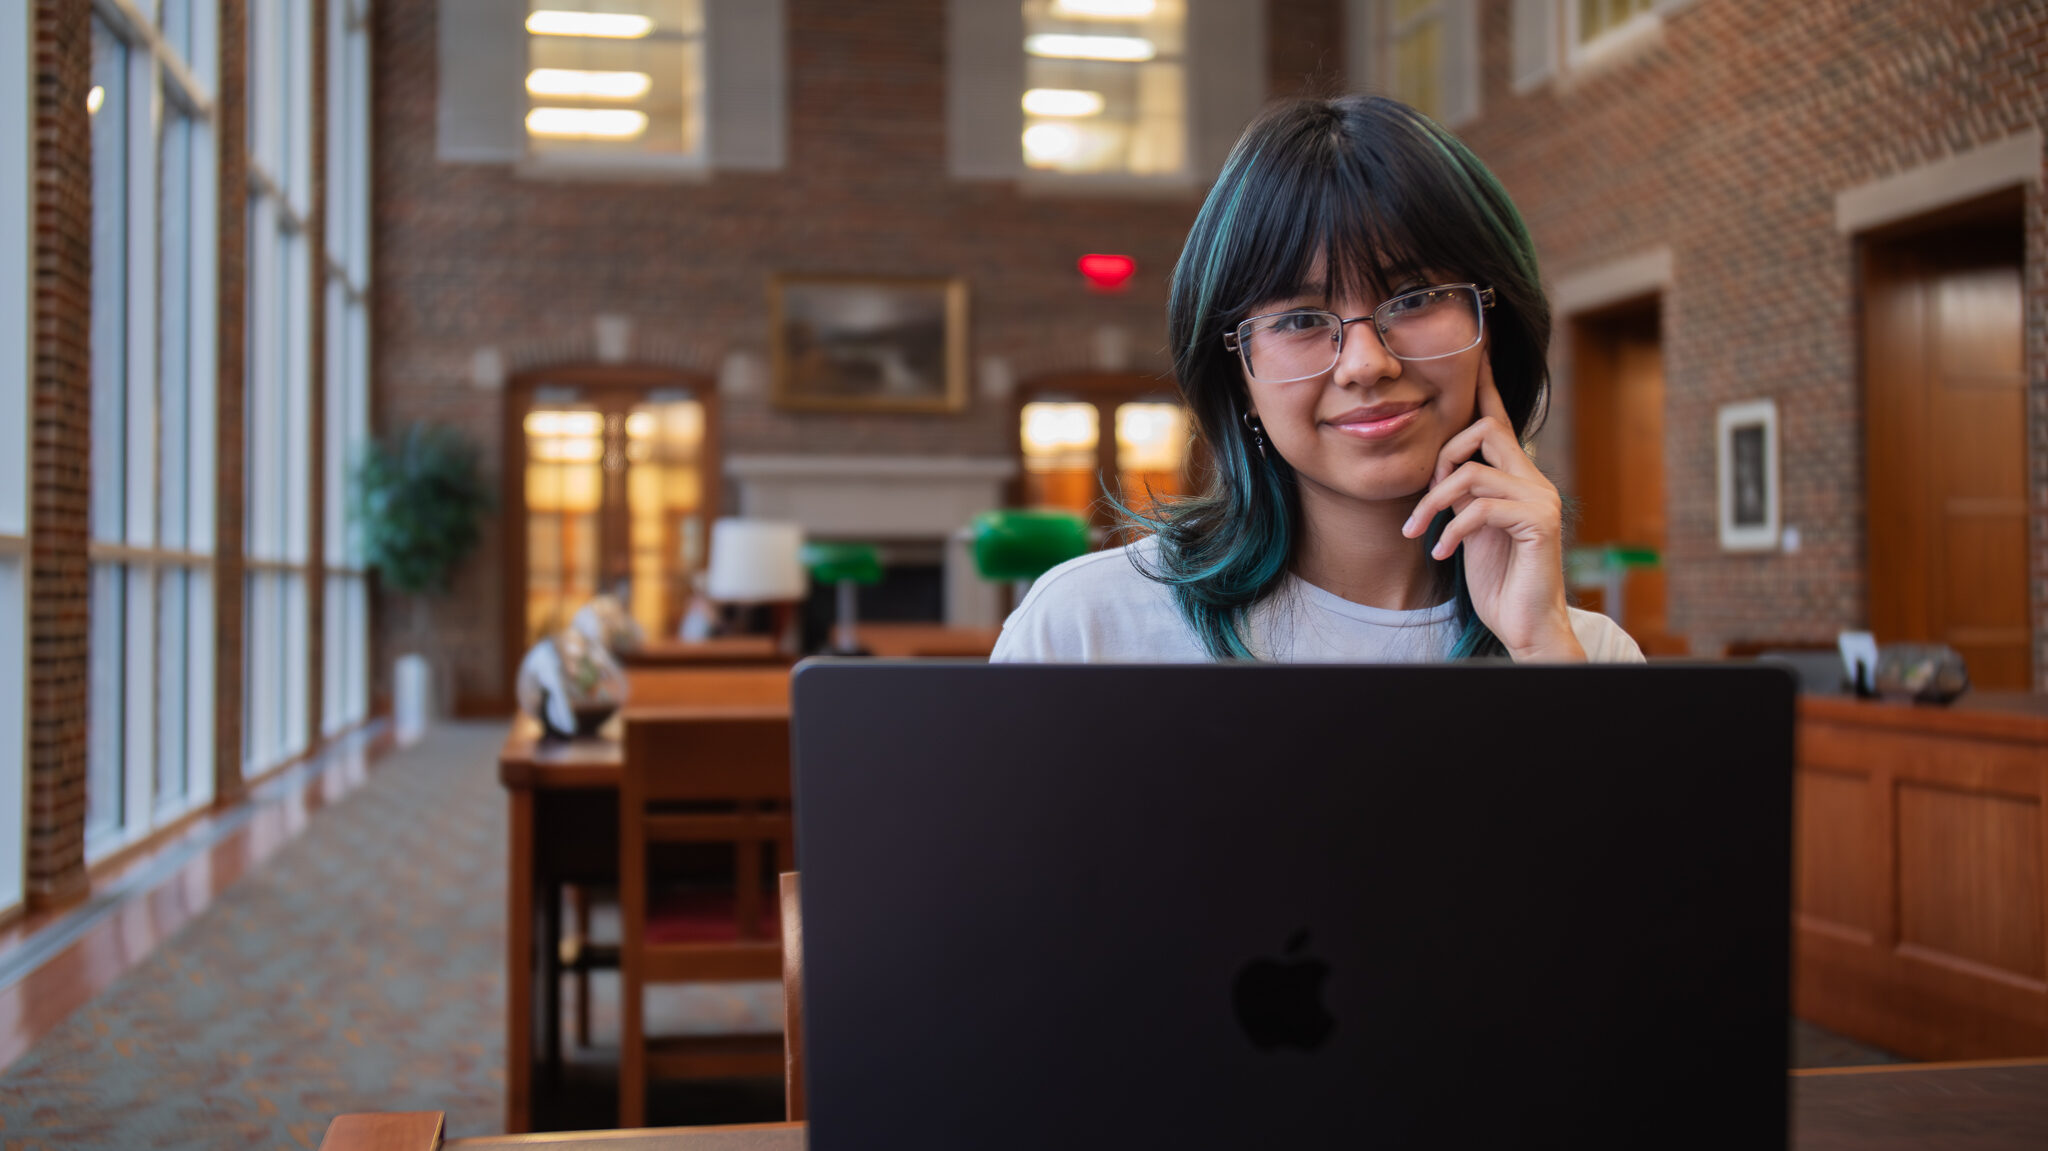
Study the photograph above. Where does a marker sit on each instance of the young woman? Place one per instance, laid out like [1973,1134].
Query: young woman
[1359,331]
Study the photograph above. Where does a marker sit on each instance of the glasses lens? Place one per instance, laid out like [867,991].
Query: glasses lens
[1289,346]
[1432,322]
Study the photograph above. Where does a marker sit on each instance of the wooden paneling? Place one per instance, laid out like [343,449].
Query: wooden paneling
[1945,388]
[1922,913]
[1970,877]
[1836,887]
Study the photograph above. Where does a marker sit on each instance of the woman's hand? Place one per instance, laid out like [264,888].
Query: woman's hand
[1510,519]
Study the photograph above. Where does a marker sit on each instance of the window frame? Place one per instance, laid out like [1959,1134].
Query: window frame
[166,413]
[280,575]
[695,164]
[1186,178]
[346,419]
[1618,39]
[17,325]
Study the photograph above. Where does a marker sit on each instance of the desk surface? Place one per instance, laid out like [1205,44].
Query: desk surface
[1994,1106]
[527,760]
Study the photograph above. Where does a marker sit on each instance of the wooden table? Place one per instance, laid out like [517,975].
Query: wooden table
[733,650]
[1998,1106]
[564,829]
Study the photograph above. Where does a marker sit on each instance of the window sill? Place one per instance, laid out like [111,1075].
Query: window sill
[1105,186]
[1616,48]
[615,169]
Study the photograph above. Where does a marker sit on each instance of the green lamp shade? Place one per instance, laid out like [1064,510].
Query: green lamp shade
[1016,544]
[849,563]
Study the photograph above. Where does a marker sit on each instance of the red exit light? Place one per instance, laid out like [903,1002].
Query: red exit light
[1107,273]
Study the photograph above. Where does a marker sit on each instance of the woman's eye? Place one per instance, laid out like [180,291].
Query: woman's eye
[1297,322]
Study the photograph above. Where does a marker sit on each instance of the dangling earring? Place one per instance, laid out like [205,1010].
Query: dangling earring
[1258,431]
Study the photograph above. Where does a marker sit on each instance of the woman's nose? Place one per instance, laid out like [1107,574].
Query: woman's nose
[1362,358]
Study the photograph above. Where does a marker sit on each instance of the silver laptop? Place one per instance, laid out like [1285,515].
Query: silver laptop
[1241,906]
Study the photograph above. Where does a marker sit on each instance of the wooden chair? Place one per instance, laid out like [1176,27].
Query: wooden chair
[693,778]
[792,997]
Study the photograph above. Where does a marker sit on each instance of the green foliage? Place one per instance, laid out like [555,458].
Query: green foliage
[418,500]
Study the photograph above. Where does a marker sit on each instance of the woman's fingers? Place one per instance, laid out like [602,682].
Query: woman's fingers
[1474,480]
[1507,515]
[1487,437]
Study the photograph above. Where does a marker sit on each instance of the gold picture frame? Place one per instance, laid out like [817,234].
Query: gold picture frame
[868,343]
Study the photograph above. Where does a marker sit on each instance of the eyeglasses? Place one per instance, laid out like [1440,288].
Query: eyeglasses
[1425,324]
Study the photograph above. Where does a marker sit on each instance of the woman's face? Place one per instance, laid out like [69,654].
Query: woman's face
[1370,428]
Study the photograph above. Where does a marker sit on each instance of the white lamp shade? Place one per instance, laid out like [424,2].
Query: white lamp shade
[756,561]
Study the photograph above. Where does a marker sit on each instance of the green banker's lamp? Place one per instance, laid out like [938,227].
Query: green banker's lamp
[847,566]
[1021,544]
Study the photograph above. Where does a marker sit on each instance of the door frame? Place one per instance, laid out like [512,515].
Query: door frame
[591,378]
[1106,391]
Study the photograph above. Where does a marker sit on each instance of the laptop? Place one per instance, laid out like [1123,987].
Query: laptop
[1242,906]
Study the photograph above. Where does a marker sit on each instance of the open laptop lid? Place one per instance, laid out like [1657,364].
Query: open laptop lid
[1248,905]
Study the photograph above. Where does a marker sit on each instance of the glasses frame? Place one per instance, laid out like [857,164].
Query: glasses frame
[1237,338]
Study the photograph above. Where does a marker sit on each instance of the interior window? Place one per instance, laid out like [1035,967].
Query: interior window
[1105,86]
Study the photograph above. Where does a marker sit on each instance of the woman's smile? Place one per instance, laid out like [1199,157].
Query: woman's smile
[1377,421]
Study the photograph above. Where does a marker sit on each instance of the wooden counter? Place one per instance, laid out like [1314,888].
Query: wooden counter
[1920,911]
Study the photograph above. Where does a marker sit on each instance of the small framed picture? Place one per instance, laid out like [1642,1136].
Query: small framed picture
[1746,456]
[867,344]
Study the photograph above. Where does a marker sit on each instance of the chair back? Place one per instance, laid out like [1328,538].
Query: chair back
[696,775]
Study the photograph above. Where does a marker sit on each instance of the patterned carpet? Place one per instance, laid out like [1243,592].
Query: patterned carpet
[359,970]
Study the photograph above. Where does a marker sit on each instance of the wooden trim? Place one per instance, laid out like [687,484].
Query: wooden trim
[385,1131]
[1889,1068]
[103,553]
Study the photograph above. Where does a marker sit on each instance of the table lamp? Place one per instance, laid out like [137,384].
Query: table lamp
[759,562]
[847,566]
[1021,544]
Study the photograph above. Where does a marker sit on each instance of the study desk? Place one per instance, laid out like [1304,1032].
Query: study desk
[564,798]
[1996,1106]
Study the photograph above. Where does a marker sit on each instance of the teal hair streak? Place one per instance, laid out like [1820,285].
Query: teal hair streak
[1240,160]
[1485,191]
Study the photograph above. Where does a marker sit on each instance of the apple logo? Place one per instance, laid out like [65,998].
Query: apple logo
[1280,1001]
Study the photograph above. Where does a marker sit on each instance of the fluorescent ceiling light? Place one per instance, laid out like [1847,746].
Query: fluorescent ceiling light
[1067,47]
[1106,9]
[612,25]
[586,123]
[94,99]
[590,85]
[1051,143]
[1062,102]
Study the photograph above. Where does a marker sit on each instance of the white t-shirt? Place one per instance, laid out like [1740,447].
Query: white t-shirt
[1100,608]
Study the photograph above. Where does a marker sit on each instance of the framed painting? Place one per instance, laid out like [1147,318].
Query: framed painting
[868,344]
[1746,456]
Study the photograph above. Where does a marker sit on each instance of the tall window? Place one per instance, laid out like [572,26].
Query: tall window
[16,302]
[1105,86]
[620,82]
[1424,52]
[152,423]
[1595,20]
[345,646]
[277,418]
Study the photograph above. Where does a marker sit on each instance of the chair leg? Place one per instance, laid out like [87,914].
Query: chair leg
[551,982]
[632,1049]
[580,899]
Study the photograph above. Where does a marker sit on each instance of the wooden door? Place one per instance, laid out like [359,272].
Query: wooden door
[1618,399]
[1945,385]
[1081,433]
[611,485]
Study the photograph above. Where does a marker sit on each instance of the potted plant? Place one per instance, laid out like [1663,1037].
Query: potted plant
[418,501]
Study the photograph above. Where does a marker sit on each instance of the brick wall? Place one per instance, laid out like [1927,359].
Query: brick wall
[62,449]
[473,256]
[1727,140]
[1304,47]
